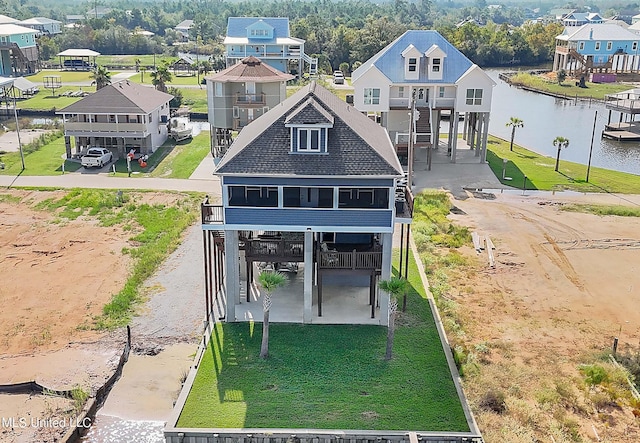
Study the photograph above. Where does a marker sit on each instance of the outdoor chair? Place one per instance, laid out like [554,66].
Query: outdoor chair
[330,255]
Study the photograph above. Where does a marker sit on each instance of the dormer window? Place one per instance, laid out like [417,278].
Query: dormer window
[413,64]
[309,125]
[411,57]
[436,65]
[309,140]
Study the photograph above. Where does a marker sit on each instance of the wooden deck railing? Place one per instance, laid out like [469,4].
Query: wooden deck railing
[211,214]
[270,250]
[349,260]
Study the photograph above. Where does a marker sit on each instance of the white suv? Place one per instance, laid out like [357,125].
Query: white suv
[338,78]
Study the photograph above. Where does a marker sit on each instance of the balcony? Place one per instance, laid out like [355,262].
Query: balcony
[93,127]
[354,260]
[399,102]
[249,99]
[211,214]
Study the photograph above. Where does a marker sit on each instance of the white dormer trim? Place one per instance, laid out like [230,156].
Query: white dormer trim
[411,62]
[435,62]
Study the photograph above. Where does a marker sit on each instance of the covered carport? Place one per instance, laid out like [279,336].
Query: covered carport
[78,59]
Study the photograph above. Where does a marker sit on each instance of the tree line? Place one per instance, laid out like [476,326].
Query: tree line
[343,33]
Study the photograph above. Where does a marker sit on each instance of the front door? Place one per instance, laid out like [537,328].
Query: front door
[250,90]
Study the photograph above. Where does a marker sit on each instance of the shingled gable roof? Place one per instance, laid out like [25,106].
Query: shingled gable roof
[123,97]
[356,145]
[250,69]
[309,113]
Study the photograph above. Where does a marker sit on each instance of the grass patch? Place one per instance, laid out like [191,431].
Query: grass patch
[195,99]
[622,211]
[157,234]
[42,157]
[45,101]
[541,175]
[184,158]
[328,377]
[593,90]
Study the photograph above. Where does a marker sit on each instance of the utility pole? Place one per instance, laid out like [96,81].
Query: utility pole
[410,144]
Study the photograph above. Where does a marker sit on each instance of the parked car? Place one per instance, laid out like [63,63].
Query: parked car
[96,157]
[338,78]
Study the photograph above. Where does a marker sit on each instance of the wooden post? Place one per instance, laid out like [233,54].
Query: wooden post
[206,272]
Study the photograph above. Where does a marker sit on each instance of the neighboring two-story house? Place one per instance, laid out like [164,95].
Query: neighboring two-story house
[44,25]
[184,28]
[582,18]
[597,48]
[269,39]
[239,94]
[421,70]
[18,50]
[120,117]
[310,183]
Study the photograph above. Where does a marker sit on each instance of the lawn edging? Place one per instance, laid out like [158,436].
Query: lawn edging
[174,434]
[471,421]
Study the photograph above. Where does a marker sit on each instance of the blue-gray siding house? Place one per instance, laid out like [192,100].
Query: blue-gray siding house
[597,47]
[269,39]
[311,182]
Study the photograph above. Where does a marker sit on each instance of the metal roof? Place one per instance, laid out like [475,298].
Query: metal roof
[11,29]
[237,27]
[598,31]
[123,97]
[356,145]
[390,62]
[78,53]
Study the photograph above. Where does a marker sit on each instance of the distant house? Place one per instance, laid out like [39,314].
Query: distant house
[582,18]
[18,50]
[311,183]
[240,94]
[119,117]
[269,39]
[183,28]
[6,20]
[97,12]
[603,47]
[44,26]
[422,69]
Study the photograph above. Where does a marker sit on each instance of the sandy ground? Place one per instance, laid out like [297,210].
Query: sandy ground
[9,140]
[56,279]
[563,286]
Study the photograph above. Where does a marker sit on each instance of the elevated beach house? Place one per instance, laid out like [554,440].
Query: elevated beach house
[18,50]
[597,48]
[239,94]
[308,188]
[269,39]
[422,75]
[120,117]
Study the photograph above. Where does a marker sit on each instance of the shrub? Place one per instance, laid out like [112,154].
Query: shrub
[493,401]
[594,374]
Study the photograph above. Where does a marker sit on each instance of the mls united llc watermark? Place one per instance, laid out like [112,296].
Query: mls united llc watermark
[34,422]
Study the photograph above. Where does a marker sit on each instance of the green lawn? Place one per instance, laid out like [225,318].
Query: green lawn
[169,161]
[568,87]
[327,377]
[44,100]
[540,172]
[196,99]
[45,161]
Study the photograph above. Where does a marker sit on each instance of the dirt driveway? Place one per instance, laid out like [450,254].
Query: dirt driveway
[564,285]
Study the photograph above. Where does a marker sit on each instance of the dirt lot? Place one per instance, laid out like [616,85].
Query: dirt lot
[563,286]
[56,277]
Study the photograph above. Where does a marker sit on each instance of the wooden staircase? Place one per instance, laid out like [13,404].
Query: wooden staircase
[423,127]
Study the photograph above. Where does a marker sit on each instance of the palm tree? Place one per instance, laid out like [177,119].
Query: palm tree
[160,77]
[514,122]
[101,77]
[395,287]
[560,142]
[270,281]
